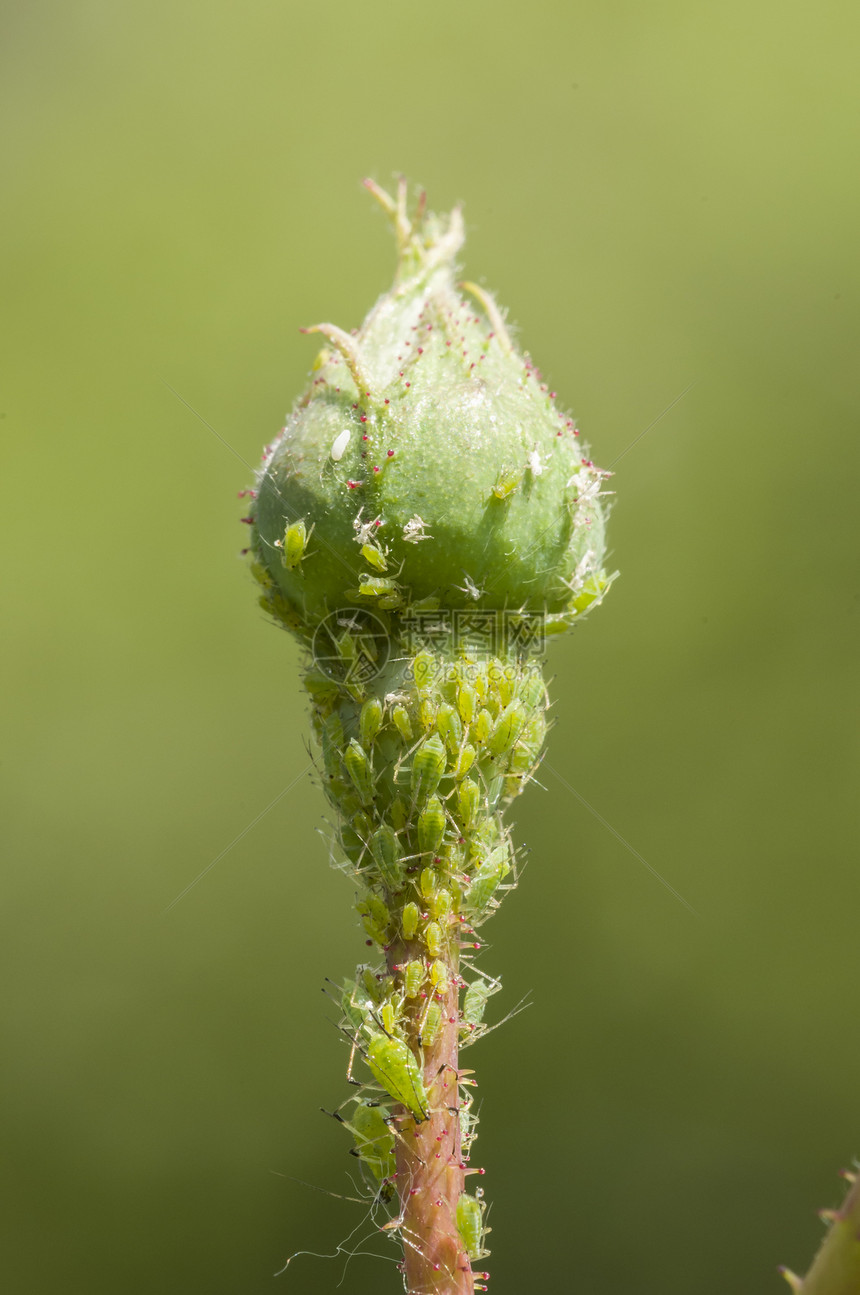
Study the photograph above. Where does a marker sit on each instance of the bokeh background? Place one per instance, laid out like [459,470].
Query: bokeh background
[662,195]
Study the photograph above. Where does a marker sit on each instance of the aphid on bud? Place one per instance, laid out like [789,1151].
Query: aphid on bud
[507,482]
[370,721]
[507,728]
[413,978]
[428,882]
[532,689]
[410,919]
[431,826]
[294,544]
[433,938]
[482,688]
[467,701]
[485,882]
[441,903]
[374,557]
[400,715]
[394,1066]
[427,713]
[398,814]
[428,766]
[468,801]
[386,856]
[389,1014]
[359,770]
[470,1225]
[424,669]
[449,726]
[376,587]
[375,918]
[465,760]
[431,1021]
[482,726]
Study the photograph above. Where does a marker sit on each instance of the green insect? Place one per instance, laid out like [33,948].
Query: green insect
[413,978]
[486,880]
[470,1224]
[374,557]
[375,917]
[433,938]
[507,728]
[507,482]
[439,977]
[373,1137]
[441,903]
[468,801]
[482,726]
[465,759]
[430,1024]
[428,766]
[294,544]
[449,726]
[475,1003]
[467,701]
[402,723]
[431,826]
[396,1068]
[359,770]
[428,882]
[410,919]
[370,720]
[386,856]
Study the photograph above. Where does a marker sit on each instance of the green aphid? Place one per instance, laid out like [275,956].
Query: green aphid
[376,587]
[370,721]
[359,770]
[449,726]
[402,723]
[374,1139]
[467,702]
[294,544]
[532,689]
[386,855]
[430,1025]
[424,669]
[507,482]
[398,813]
[439,977]
[475,1002]
[375,918]
[332,745]
[410,919]
[482,726]
[431,826]
[351,843]
[468,801]
[433,939]
[470,1225]
[441,903]
[487,879]
[413,978]
[428,766]
[428,882]
[503,679]
[465,759]
[389,1014]
[353,1003]
[395,1067]
[507,728]
[427,713]
[374,557]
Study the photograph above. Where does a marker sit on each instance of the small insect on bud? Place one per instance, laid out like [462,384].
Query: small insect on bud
[358,768]
[433,939]
[507,728]
[430,1025]
[468,801]
[386,856]
[294,544]
[428,766]
[410,919]
[431,826]
[450,726]
[370,721]
[400,715]
[470,1225]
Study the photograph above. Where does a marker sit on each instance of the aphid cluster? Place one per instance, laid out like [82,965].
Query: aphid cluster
[427,475]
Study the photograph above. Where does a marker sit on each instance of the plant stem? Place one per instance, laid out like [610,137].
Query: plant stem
[836,1268]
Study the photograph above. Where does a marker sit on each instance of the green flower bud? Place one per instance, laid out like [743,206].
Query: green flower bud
[427,447]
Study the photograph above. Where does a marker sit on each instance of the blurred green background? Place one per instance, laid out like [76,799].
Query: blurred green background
[662,195]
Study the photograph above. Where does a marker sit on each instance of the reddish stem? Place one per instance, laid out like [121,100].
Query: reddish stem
[430,1171]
